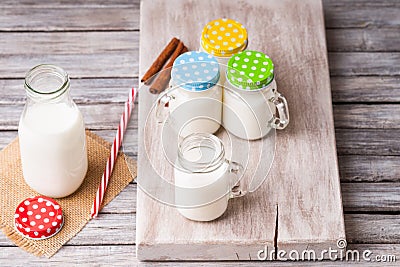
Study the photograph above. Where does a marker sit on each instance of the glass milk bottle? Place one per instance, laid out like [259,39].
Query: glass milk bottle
[251,97]
[194,101]
[204,179]
[51,134]
[223,38]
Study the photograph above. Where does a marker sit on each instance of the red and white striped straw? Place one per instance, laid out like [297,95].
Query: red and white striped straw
[114,153]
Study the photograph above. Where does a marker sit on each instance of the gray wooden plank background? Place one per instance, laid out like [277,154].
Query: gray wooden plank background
[96,41]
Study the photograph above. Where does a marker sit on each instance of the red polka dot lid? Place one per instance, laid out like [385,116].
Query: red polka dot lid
[38,218]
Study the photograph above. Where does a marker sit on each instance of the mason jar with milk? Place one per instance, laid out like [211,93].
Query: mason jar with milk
[204,179]
[193,104]
[51,134]
[223,38]
[251,97]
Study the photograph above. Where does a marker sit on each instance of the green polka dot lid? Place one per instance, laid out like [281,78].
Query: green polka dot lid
[195,71]
[250,70]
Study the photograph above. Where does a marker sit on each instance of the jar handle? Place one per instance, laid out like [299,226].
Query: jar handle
[237,188]
[163,102]
[281,105]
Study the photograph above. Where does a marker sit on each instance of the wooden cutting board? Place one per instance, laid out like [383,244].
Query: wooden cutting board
[299,205]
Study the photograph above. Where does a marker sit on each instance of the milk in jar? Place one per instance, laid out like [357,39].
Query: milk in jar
[193,103]
[51,134]
[204,178]
[251,98]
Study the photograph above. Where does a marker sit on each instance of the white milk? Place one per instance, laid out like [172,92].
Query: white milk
[53,148]
[207,191]
[194,102]
[247,114]
[196,112]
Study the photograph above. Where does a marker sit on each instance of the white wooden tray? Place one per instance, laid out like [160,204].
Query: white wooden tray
[299,205]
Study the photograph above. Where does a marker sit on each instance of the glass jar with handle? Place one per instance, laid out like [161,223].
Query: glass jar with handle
[251,97]
[204,179]
[194,100]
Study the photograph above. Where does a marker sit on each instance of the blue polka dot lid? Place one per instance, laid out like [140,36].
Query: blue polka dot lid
[195,71]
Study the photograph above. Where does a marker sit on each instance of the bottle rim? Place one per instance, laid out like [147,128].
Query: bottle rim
[42,70]
[196,140]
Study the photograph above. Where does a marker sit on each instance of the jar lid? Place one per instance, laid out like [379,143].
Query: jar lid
[38,218]
[250,70]
[224,37]
[195,71]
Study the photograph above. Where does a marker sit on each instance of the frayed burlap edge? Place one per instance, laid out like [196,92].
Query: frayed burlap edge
[30,245]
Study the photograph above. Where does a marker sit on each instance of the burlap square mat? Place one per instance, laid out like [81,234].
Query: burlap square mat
[76,207]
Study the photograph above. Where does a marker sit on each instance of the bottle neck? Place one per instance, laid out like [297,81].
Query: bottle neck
[201,153]
[47,84]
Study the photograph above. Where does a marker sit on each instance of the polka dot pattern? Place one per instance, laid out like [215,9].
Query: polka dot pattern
[195,71]
[250,70]
[38,218]
[224,37]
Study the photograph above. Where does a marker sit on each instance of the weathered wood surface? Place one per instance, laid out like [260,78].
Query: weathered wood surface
[308,214]
[343,64]
[109,255]
[362,40]
[344,90]
[80,15]
[376,229]
[346,116]
[366,156]
[53,16]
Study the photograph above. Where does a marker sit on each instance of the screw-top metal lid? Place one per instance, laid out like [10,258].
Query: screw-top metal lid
[250,70]
[195,71]
[224,37]
[38,218]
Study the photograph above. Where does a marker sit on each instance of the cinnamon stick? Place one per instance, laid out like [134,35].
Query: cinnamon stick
[161,82]
[161,59]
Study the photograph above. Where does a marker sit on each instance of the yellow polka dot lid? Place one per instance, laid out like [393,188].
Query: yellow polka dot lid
[224,37]
[250,70]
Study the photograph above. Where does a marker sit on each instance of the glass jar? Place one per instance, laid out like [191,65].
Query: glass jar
[51,134]
[251,97]
[204,179]
[223,38]
[194,100]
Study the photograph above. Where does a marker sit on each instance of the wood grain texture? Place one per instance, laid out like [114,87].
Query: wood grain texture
[352,26]
[365,40]
[75,4]
[367,197]
[21,51]
[353,148]
[27,43]
[368,142]
[312,215]
[365,228]
[115,65]
[124,15]
[67,18]
[361,14]
[83,91]
[354,63]
[352,116]
[125,256]
[359,168]
[104,65]
[366,89]
[373,229]
[367,116]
